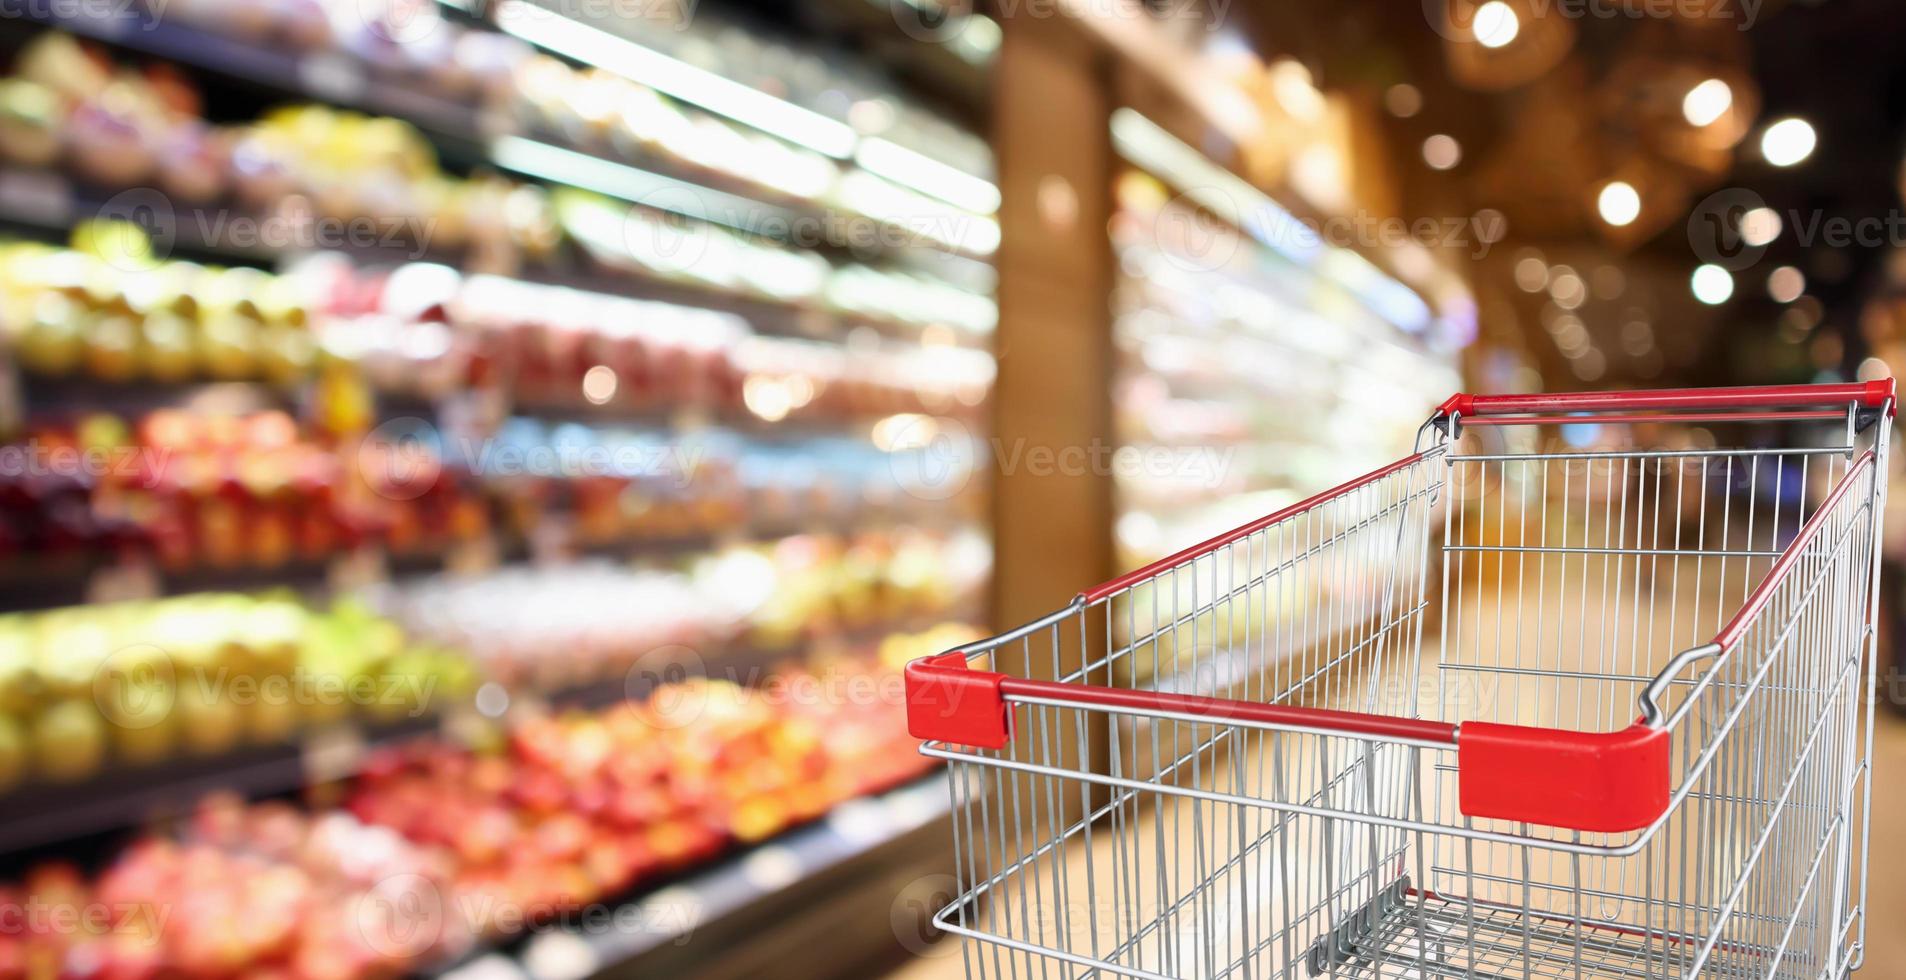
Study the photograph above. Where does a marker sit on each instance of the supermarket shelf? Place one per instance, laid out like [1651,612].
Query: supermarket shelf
[129,399]
[748,893]
[126,796]
[747,663]
[460,130]
[42,202]
[323,76]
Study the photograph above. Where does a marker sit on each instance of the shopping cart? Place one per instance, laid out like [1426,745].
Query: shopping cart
[1642,751]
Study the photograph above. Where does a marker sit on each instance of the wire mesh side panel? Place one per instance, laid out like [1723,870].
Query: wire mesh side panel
[1571,579]
[1186,870]
[1570,582]
[1138,844]
[1279,614]
[1768,746]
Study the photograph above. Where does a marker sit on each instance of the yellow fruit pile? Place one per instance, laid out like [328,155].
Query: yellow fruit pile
[138,682]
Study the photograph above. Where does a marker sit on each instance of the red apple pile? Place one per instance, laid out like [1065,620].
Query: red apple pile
[261,891]
[221,491]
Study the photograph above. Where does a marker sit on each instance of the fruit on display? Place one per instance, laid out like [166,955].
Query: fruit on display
[137,683]
[224,491]
[582,806]
[236,889]
[427,330]
[569,348]
[438,846]
[29,123]
[549,629]
[84,310]
[371,177]
[823,583]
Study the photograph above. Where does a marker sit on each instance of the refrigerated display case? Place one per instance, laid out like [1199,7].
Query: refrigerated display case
[1257,361]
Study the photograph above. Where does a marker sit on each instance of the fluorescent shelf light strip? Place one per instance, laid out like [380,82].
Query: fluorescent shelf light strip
[623,182]
[1229,196]
[554,32]
[927,175]
[1212,187]
[922,174]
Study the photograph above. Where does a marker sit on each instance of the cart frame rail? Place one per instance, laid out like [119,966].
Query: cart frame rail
[1577,793]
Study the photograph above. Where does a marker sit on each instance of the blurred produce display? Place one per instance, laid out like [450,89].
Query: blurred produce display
[1245,372]
[450,414]
[426,330]
[127,128]
[547,629]
[564,810]
[211,490]
[138,683]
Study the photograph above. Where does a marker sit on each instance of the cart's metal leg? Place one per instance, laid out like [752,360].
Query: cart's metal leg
[1346,939]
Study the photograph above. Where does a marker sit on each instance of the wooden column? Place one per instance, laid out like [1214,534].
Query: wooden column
[1053,523]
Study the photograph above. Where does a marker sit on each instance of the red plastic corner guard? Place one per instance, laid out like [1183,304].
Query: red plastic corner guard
[949,702]
[1607,782]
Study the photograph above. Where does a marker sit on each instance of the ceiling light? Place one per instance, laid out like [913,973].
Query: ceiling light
[1618,203]
[1760,226]
[1787,142]
[1291,84]
[1403,100]
[1532,274]
[1712,284]
[1785,284]
[1442,152]
[1495,24]
[1707,102]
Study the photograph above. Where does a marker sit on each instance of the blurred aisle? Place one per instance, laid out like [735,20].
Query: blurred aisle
[1886,940]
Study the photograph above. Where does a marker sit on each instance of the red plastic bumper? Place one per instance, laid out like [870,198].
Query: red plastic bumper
[1609,782]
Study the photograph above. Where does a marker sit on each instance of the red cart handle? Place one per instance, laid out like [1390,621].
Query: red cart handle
[1870,394]
[1609,782]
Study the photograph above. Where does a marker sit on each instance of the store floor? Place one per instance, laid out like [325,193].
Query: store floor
[1886,933]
